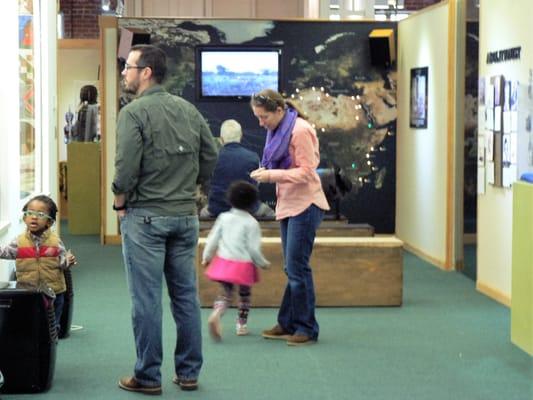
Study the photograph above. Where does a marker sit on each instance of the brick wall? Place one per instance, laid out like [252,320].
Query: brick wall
[413,5]
[80,18]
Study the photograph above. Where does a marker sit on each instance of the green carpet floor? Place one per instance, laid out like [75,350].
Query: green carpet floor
[446,342]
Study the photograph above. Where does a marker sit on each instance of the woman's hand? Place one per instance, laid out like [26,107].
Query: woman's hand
[260,174]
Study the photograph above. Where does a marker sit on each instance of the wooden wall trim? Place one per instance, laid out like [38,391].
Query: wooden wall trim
[112,239]
[106,22]
[78,43]
[450,139]
[493,293]
[59,134]
[419,253]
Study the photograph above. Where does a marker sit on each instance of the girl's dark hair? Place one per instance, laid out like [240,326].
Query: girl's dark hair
[154,58]
[52,207]
[243,195]
[88,93]
[270,100]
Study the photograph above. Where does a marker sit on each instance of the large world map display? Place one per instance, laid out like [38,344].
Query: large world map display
[326,70]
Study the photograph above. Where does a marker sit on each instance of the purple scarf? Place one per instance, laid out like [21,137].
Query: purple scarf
[276,152]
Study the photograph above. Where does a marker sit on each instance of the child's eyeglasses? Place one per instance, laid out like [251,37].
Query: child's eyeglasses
[38,214]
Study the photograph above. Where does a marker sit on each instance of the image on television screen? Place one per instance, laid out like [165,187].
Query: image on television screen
[237,73]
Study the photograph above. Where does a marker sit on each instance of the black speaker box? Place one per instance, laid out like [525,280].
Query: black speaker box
[27,340]
[382,47]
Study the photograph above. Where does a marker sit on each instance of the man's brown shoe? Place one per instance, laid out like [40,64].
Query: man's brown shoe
[186,384]
[277,333]
[300,340]
[131,384]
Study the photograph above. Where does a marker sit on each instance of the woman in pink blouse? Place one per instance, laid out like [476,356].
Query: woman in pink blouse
[290,158]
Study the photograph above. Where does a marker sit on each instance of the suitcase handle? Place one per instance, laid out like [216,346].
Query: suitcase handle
[6,303]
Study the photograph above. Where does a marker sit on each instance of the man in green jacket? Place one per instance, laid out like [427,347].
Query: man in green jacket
[164,149]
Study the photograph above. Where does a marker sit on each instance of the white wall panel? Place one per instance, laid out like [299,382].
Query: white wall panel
[502,25]
[421,175]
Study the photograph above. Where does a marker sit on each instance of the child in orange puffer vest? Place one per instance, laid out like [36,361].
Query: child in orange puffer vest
[39,254]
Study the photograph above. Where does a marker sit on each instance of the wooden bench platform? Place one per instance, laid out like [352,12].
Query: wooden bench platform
[347,271]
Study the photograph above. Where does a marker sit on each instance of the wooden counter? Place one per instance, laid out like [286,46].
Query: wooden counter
[347,271]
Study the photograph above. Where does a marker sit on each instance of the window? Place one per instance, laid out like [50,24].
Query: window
[21,116]
[29,107]
[9,120]
[380,10]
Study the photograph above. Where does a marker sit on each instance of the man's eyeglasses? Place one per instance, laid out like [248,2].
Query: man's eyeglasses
[38,214]
[128,67]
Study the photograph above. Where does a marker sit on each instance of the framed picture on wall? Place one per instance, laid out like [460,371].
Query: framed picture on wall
[418,113]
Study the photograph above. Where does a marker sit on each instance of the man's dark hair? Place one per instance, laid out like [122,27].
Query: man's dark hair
[243,195]
[153,57]
[52,207]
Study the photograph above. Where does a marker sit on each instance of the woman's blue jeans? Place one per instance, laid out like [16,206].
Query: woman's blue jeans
[297,311]
[154,246]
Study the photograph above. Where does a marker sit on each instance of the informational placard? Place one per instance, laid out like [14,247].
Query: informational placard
[507,110]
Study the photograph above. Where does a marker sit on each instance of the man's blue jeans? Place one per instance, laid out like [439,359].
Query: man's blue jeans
[154,246]
[297,311]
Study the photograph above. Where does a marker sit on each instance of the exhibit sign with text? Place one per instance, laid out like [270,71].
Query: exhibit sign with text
[498,151]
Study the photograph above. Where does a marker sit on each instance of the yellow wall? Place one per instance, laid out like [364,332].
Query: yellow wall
[522,282]
[76,67]
[503,24]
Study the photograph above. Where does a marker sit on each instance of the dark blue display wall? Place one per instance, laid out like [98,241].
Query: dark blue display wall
[326,68]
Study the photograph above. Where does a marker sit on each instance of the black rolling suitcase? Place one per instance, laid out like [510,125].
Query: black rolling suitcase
[66,316]
[28,339]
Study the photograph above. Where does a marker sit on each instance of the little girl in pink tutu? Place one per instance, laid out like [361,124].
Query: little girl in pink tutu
[233,252]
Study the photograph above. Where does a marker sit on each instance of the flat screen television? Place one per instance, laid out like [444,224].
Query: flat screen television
[236,72]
